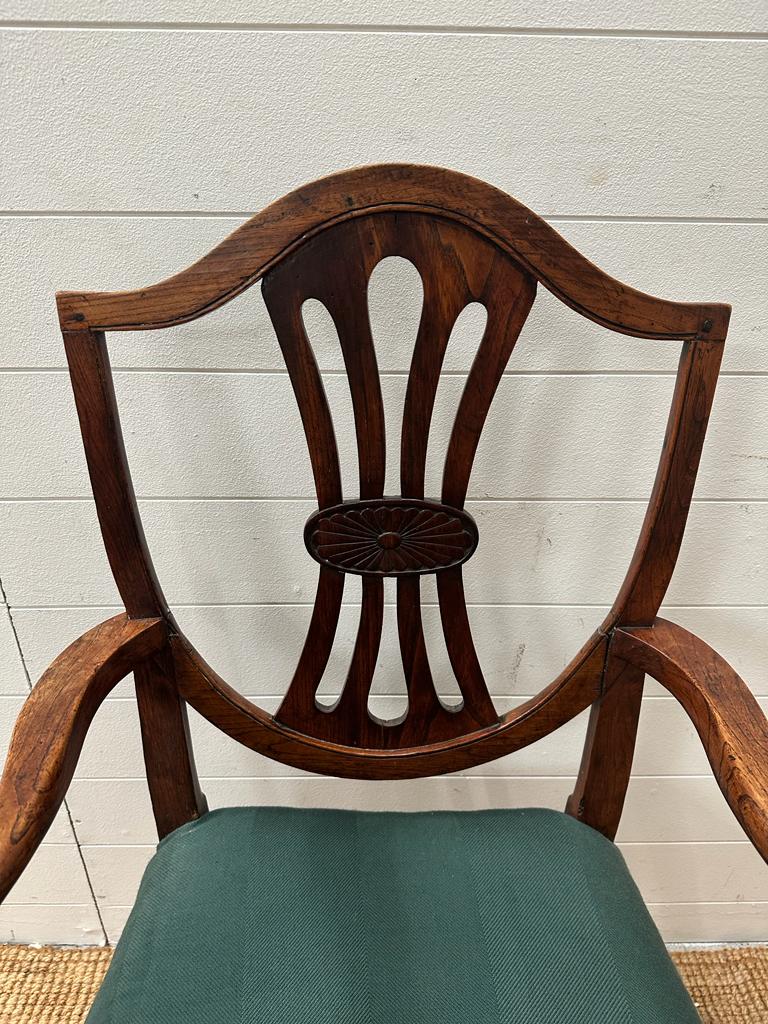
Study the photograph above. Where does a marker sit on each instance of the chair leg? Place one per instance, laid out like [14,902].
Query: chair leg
[173,784]
[598,798]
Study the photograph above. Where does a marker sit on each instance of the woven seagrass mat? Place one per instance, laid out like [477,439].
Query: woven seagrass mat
[728,986]
[57,986]
[49,985]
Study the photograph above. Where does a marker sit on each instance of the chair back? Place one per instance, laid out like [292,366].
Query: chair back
[470,243]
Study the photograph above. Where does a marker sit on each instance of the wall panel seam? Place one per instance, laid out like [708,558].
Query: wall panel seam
[239,215]
[341,28]
[65,805]
[259,499]
[256,371]
[387,604]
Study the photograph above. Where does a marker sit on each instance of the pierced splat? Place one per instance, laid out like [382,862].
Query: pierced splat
[403,537]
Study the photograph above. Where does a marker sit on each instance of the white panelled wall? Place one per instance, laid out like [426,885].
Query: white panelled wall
[135,137]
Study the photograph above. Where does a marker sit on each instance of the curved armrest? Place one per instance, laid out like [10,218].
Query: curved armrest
[727,717]
[51,728]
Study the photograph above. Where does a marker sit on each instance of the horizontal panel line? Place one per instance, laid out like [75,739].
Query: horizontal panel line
[604,605]
[277,371]
[42,906]
[564,218]
[295,499]
[342,28]
[67,845]
[713,903]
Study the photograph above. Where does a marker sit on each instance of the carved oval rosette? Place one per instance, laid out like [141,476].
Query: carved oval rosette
[391,537]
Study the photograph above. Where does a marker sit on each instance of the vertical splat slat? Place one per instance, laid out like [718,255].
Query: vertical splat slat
[350,716]
[456,270]
[298,707]
[284,303]
[333,272]
[344,291]
[443,301]
[445,295]
[508,302]
[350,314]
[424,707]
[284,307]
[461,647]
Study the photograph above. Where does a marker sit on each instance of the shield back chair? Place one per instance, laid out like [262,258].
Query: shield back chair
[293,916]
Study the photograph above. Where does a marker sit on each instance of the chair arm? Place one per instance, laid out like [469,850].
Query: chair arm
[728,719]
[51,728]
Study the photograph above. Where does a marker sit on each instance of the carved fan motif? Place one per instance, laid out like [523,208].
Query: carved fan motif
[391,537]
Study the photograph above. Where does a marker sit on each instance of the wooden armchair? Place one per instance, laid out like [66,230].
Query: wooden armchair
[285,915]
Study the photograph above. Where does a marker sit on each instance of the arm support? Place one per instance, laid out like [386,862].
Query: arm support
[727,717]
[51,728]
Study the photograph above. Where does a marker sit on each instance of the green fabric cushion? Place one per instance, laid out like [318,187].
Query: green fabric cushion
[263,915]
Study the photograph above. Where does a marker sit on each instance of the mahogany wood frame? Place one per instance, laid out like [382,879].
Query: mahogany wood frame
[470,242]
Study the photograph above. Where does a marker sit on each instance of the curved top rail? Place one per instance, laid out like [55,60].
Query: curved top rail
[259,244]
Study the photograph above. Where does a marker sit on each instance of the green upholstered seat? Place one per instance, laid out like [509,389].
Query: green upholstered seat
[280,916]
